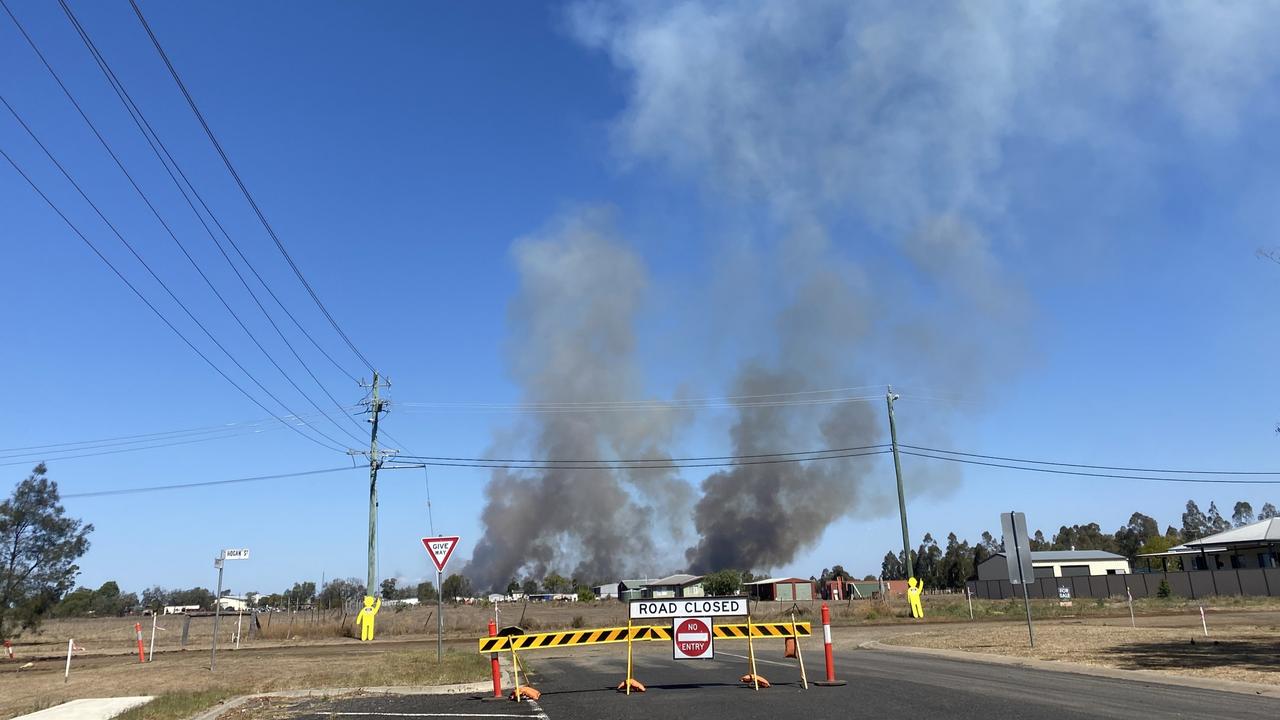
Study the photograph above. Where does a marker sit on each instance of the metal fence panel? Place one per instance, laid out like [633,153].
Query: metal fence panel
[1252,581]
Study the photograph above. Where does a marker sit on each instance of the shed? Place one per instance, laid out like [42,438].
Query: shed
[1058,563]
[629,590]
[788,589]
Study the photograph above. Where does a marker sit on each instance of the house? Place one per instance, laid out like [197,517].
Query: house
[629,590]
[179,609]
[1250,546]
[680,585]
[860,589]
[608,591]
[229,603]
[1057,564]
[788,589]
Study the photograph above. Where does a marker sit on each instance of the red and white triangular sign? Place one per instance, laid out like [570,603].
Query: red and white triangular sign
[440,548]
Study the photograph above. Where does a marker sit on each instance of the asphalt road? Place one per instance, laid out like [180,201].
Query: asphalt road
[881,685]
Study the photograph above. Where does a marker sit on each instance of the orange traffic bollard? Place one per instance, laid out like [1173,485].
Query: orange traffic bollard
[493,663]
[142,654]
[831,680]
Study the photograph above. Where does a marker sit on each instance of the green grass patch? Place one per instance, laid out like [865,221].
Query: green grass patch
[177,705]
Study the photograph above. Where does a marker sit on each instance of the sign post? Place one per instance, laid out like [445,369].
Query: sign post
[223,555]
[440,548]
[1017,552]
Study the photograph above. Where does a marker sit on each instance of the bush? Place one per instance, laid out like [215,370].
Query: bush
[578,621]
[1164,591]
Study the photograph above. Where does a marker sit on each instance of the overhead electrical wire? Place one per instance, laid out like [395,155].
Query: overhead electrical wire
[1080,473]
[207,483]
[161,152]
[655,405]
[243,188]
[624,465]
[656,460]
[1092,467]
[116,451]
[152,306]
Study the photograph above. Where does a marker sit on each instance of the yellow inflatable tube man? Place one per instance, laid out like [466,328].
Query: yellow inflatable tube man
[913,594]
[365,618]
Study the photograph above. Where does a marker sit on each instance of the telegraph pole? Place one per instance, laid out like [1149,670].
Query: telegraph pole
[376,407]
[889,397]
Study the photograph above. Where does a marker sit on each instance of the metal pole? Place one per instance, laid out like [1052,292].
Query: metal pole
[151,651]
[375,408]
[969,594]
[439,618]
[217,609]
[1017,552]
[897,471]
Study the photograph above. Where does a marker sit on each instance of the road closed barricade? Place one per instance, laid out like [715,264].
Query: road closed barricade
[692,632]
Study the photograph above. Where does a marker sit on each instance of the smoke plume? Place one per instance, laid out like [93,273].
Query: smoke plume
[574,341]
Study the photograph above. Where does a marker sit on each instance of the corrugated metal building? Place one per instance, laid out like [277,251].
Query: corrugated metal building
[680,585]
[781,589]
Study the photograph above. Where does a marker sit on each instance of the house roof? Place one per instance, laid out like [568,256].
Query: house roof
[677,579]
[1057,556]
[637,583]
[1260,532]
[771,581]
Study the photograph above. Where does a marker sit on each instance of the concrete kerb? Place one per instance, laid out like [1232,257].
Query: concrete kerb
[1151,676]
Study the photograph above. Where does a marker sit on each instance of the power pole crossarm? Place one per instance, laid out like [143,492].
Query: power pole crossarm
[897,470]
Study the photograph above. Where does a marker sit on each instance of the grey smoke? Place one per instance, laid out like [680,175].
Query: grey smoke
[573,340]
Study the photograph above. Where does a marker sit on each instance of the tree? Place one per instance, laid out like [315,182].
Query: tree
[513,587]
[892,567]
[388,589]
[39,546]
[338,592]
[302,593]
[1083,537]
[1217,523]
[722,582]
[427,592]
[456,587]
[530,587]
[1242,514]
[1135,533]
[585,594]
[1194,523]
[155,598]
[555,582]
[1038,542]
[1267,512]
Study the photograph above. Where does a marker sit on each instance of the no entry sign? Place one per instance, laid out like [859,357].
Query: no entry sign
[691,638]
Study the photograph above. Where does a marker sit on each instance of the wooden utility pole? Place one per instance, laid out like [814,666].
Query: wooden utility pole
[897,470]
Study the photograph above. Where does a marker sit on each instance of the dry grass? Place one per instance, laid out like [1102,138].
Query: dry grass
[1240,650]
[186,677]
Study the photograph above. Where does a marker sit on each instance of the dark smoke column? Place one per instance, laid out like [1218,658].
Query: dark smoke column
[573,341]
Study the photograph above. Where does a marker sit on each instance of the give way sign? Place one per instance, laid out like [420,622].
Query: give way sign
[440,548]
[691,638]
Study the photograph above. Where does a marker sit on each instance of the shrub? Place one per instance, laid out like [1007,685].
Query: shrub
[1164,591]
[579,621]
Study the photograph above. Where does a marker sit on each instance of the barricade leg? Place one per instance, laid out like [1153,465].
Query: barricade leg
[628,657]
[515,672]
[804,678]
[751,656]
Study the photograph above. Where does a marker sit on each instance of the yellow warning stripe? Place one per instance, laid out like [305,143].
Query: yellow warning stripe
[602,636]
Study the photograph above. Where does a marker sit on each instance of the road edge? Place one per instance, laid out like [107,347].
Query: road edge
[1151,676]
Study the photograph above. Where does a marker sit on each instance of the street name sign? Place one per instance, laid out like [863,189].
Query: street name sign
[705,607]
[691,638]
[235,554]
[440,548]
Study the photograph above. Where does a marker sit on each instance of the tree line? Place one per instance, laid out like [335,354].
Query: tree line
[949,565]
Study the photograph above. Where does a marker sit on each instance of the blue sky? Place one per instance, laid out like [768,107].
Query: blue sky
[1044,219]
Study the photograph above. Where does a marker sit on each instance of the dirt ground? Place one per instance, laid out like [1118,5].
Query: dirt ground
[350,664]
[1240,646]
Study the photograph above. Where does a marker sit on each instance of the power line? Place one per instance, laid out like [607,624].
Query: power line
[1093,467]
[243,189]
[559,461]
[663,466]
[209,483]
[149,304]
[144,126]
[650,406]
[117,451]
[1054,471]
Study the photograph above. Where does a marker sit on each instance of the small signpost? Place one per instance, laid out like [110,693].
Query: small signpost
[440,549]
[691,639]
[228,554]
[1017,551]
[1064,596]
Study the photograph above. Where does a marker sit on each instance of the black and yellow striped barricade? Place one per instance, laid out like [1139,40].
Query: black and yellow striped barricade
[635,633]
